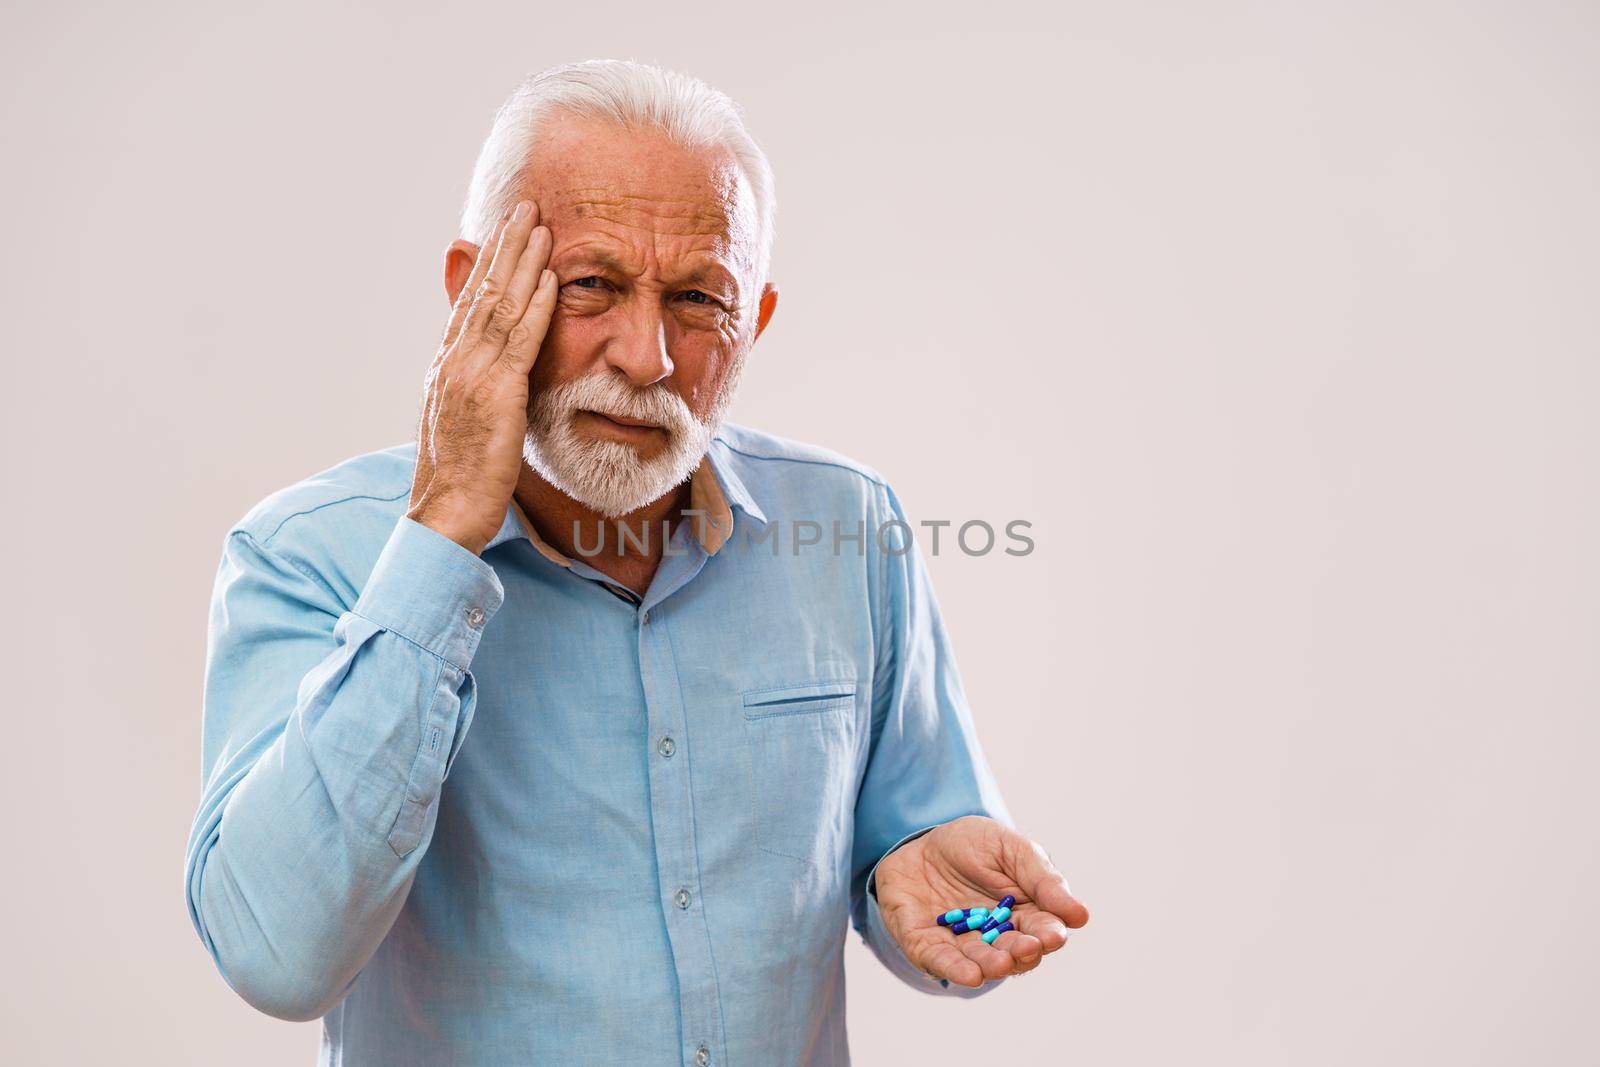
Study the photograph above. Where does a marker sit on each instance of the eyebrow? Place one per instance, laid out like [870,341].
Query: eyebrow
[596,258]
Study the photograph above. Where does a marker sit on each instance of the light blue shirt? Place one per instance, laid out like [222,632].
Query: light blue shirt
[498,810]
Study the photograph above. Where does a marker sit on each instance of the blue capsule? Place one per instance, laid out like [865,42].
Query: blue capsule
[966,918]
[1005,902]
[989,937]
[1000,916]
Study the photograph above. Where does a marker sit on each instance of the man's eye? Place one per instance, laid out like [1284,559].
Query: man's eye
[695,296]
[590,282]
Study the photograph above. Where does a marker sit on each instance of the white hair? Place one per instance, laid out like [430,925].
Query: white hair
[686,109]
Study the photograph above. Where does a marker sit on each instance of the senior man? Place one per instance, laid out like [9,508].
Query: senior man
[536,740]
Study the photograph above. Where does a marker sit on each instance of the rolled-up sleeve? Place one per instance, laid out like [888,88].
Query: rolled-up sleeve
[328,730]
[925,765]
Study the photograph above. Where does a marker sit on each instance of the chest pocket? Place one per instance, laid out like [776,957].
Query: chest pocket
[802,741]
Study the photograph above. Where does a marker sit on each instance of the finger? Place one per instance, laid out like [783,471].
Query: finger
[1049,931]
[503,259]
[945,960]
[522,344]
[1026,952]
[1041,882]
[507,252]
[526,276]
[993,962]
[480,267]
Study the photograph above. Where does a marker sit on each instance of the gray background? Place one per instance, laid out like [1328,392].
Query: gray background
[1277,320]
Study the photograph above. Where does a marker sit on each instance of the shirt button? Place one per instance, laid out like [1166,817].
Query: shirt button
[666,747]
[683,898]
[644,618]
[474,617]
[702,1056]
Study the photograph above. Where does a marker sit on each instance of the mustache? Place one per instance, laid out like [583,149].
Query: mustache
[611,395]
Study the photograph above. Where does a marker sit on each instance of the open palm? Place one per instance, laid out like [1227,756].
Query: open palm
[969,862]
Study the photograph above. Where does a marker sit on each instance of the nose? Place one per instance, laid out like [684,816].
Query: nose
[639,348]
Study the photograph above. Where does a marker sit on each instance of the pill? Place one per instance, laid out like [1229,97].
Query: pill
[963,926]
[977,913]
[989,937]
[1005,902]
[1000,916]
[952,916]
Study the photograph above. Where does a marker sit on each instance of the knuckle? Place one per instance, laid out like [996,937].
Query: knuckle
[518,336]
[483,302]
[504,316]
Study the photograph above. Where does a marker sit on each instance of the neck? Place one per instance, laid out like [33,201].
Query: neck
[632,547]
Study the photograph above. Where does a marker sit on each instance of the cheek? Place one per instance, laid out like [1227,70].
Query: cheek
[699,368]
[569,346]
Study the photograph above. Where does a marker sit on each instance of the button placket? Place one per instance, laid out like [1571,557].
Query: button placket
[672,816]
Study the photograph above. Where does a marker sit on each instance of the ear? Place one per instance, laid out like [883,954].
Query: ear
[769,304]
[458,261]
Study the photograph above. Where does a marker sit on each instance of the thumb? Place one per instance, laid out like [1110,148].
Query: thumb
[1030,867]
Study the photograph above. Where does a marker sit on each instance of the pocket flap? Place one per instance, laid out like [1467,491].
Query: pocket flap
[798,699]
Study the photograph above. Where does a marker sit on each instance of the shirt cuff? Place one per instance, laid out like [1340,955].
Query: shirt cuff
[431,591]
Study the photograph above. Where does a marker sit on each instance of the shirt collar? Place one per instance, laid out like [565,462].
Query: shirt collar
[714,490]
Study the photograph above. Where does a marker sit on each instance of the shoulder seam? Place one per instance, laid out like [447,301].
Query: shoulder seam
[802,459]
[328,504]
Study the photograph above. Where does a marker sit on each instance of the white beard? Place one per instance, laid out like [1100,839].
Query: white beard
[610,476]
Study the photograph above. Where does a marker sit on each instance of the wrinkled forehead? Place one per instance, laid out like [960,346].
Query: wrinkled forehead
[643,196]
